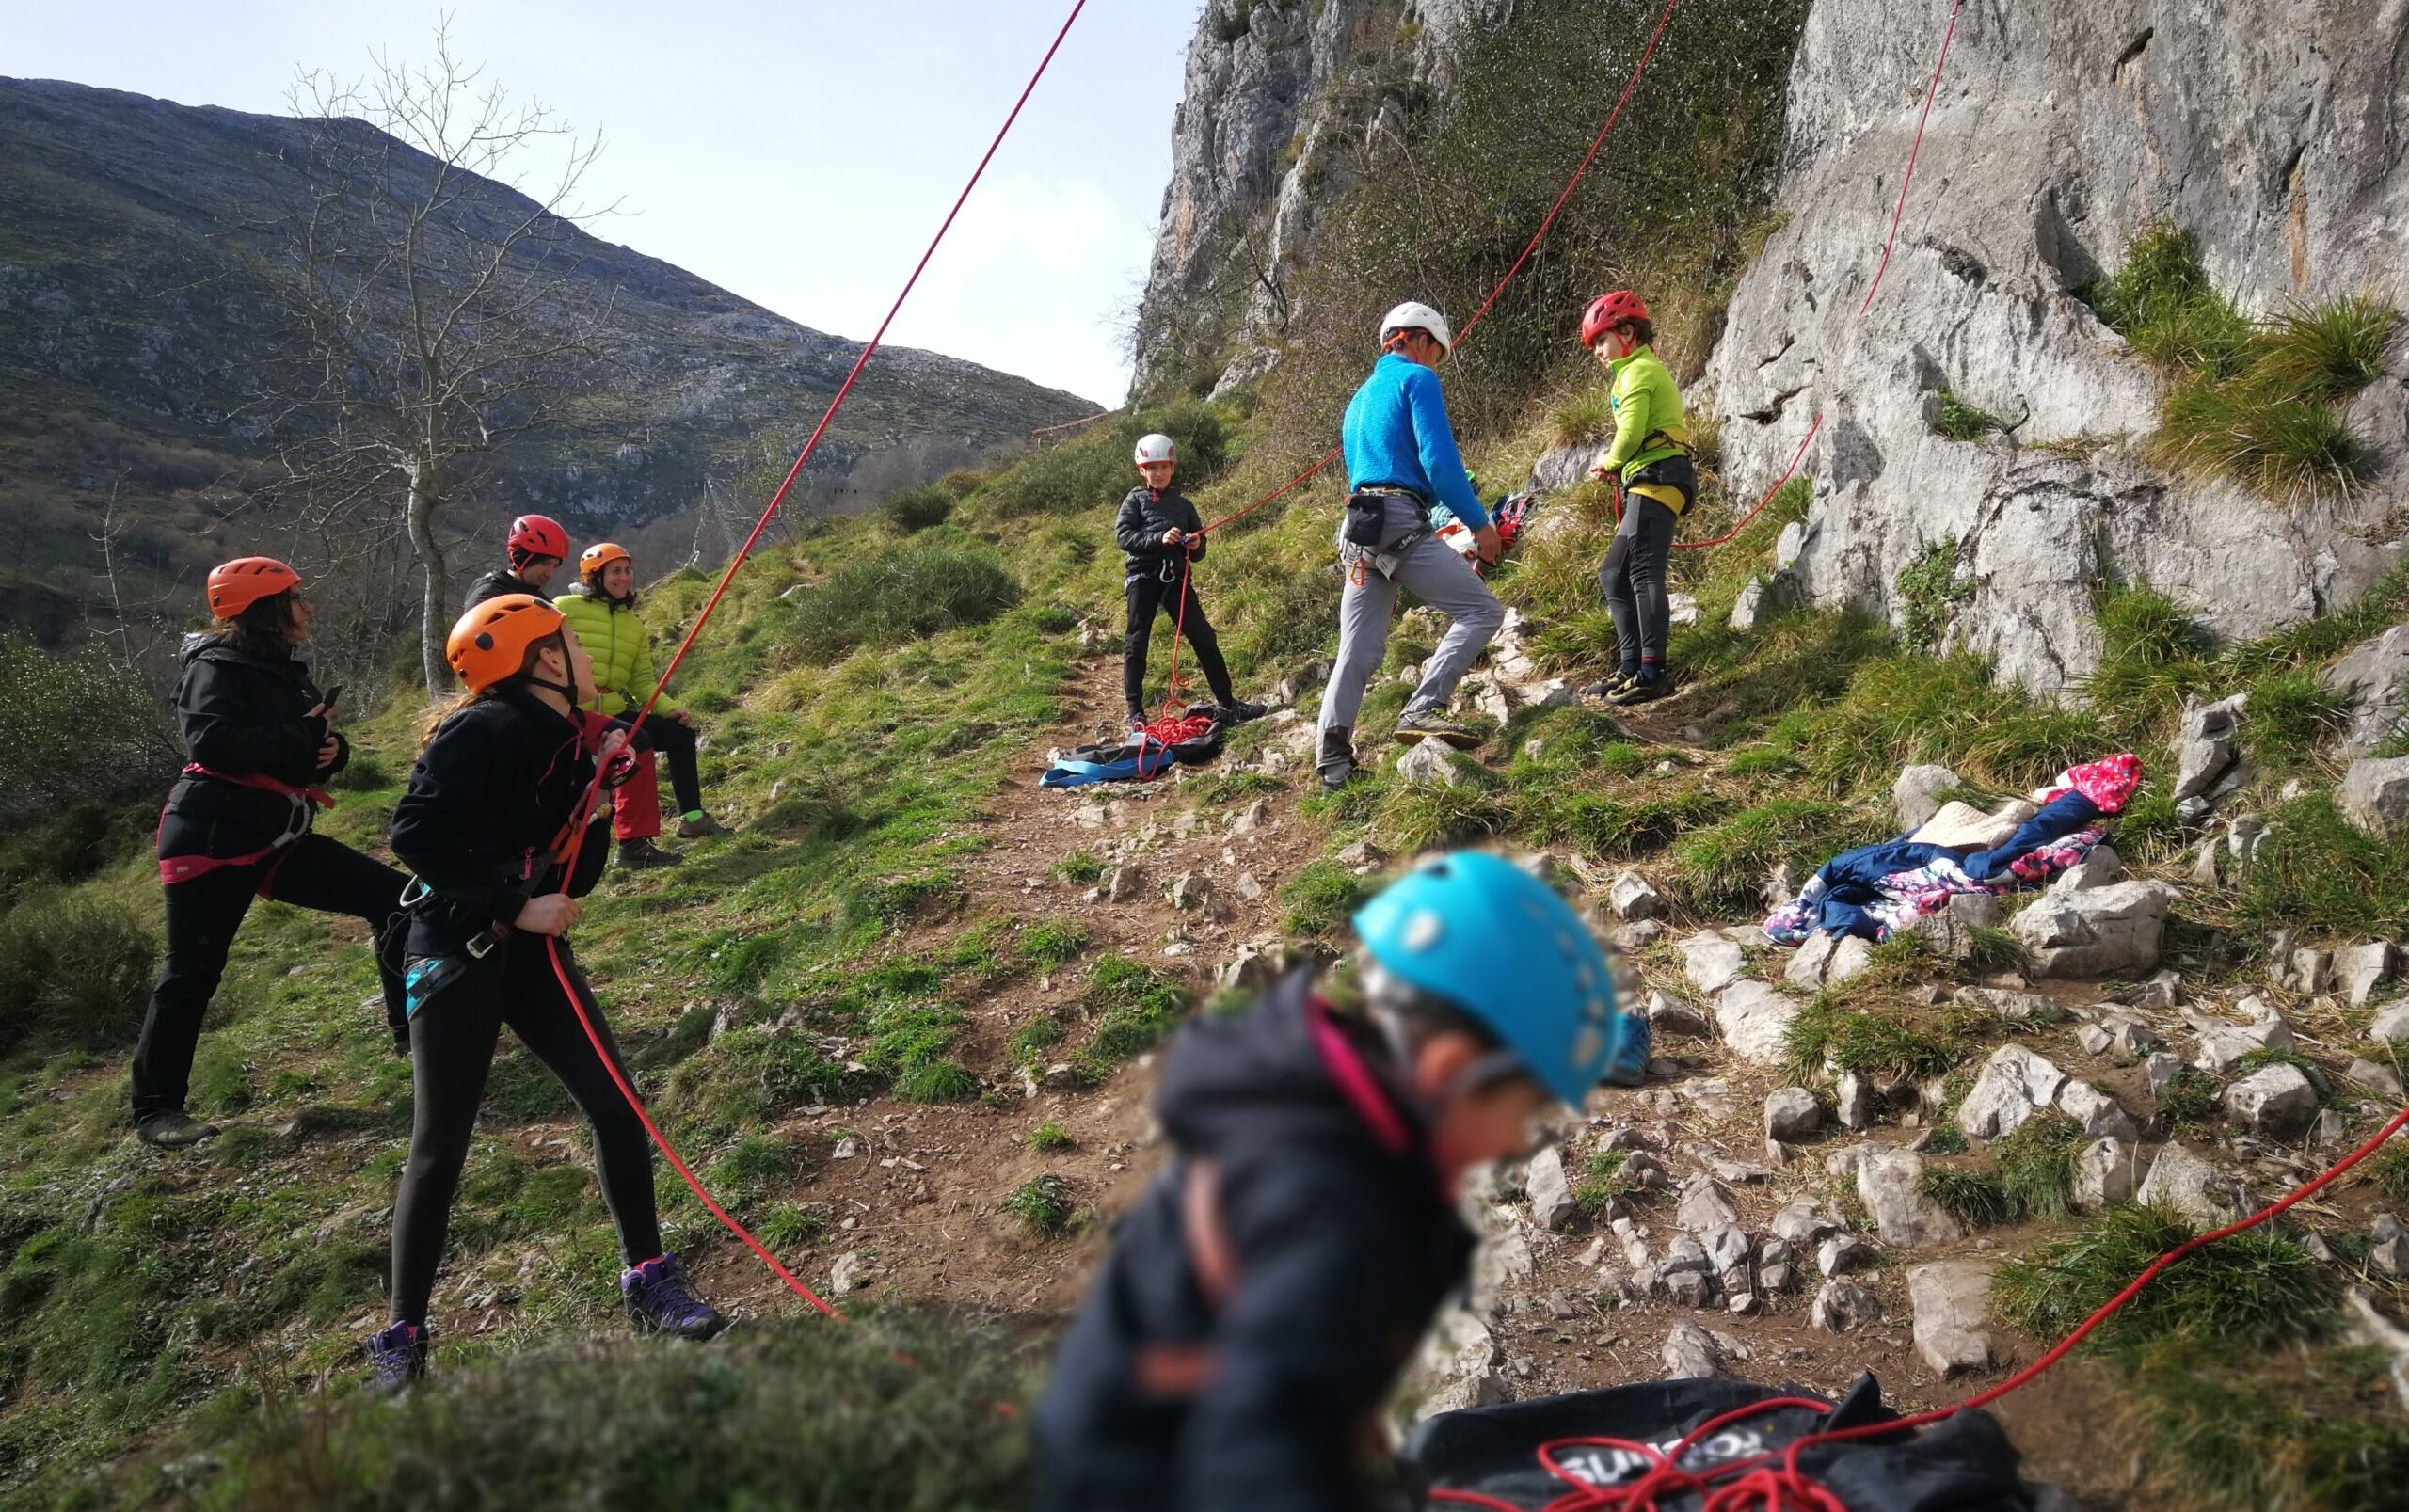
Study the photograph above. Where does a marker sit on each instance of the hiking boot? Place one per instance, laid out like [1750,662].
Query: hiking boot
[700,827]
[173,1129]
[1430,725]
[1238,710]
[1643,690]
[659,1301]
[396,1358]
[1629,1068]
[1135,725]
[1337,760]
[643,855]
[1609,685]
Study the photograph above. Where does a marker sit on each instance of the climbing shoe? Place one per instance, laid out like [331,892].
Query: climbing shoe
[659,1301]
[1629,1068]
[396,1358]
[1429,725]
[1238,710]
[643,855]
[700,826]
[1609,685]
[173,1129]
[1643,690]
[1335,762]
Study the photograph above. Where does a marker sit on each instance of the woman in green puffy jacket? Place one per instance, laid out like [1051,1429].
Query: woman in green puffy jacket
[601,609]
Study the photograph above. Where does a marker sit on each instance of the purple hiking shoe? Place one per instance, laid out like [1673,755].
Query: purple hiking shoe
[396,1358]
[659,1302]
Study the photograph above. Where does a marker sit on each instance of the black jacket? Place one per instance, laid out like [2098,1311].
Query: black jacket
[496,584]
[1145,515]
[244,713]
[1344,1249]
[490,796]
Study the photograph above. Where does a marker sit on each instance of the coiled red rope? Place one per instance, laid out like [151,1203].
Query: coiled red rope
[568,865]
[1882,268]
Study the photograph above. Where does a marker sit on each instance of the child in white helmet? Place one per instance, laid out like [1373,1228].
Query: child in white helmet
[1163,539]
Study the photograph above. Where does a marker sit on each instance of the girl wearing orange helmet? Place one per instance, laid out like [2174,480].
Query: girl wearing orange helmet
[236,824]
[496,811]
[1649,462]
[601,608]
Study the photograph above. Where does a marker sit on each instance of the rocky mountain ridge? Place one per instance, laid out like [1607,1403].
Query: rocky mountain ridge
[135,333]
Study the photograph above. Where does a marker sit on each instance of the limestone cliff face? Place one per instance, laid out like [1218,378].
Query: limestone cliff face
[2275,131]
[1284,102]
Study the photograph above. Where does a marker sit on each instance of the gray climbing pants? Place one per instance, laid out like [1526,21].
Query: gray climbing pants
[1433,573]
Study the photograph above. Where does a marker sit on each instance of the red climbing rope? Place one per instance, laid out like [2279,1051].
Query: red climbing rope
[552,945]
[1907,178]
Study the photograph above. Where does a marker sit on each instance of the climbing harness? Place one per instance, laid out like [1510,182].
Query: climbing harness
[173,869]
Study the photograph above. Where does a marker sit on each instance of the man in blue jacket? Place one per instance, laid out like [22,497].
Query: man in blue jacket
[1401,459]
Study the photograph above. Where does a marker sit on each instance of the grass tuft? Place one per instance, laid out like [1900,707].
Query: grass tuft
[2253,1288]
[1042,1205]
[1321,897]
[1049,1138]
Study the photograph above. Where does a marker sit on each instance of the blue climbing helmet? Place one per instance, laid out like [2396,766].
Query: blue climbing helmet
[1497,943]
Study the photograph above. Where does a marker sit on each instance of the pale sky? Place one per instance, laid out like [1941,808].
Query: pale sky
[798,155]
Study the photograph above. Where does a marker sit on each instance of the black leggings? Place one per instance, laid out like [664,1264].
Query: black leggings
[1148,595]
[452,1043]
[1633,576]
[675,743]
[204,911]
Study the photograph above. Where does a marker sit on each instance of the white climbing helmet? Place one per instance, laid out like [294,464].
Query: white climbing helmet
[1156,448]
[1413,315]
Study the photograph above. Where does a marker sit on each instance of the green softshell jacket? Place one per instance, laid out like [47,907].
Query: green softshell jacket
[621,649]
[1646,402]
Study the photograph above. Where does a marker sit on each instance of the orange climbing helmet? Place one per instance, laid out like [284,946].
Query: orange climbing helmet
[600,555]
[236,586]
[1610,311]
[490,642]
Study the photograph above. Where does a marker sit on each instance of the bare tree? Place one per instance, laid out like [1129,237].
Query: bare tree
[436,303]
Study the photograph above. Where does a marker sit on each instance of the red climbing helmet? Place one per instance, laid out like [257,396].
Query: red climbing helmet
[1610,311]
[236,586]
[538,535]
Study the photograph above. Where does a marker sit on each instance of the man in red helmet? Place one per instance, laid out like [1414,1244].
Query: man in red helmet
[1649,464]
[537,547]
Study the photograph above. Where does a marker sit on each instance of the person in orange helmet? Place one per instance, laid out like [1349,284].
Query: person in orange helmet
[261,739]
[501,829]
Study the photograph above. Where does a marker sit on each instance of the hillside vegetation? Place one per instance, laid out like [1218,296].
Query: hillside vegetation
[895,1029]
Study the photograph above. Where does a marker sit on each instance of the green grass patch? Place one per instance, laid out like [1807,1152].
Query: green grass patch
[2316,871]
[1080,866]
[2252,1289]
[1135,1006]
[2191,1100]
[2036,1165]
[1838,1028]
[2305,1430]
[1976,1200]
[1051,943]
[1958,421]
[1600,1181]
[1049,1138]
[887,599]
[1722,868]
[1321,897]
[75,966]
[1929,592]
[1041,1204]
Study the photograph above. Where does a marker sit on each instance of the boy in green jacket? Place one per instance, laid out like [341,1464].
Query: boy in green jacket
[1650,463]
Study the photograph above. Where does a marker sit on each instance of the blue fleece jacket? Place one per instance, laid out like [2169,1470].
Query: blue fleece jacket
[1396,434]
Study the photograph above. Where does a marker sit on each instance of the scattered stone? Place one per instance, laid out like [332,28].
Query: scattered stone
[1744,1304]
[2330,1127]
[2204,873]
[2391,1257]
[1843,1306]
[2368,1076]
[1690,1353]
[1801,1224]
[850,1273]
[2391,1027]
[2103,1175]
[1949,931]
[1778,1280]
[2183,1181]
[1690,1288]
[2375,679]
[2099,868]
[1809,963]
[2359,969]
[2013,1084]
[2095,1039]
[2205,754]
[1727,1251]
[2132,1037]
[2374,794]
[1792,1114]
[1891,1185]
[1844,1252]
[2277,1101]
[2100,932]
[2099,1114]
[1460,1358]
[1436,762]
[1853,1101]
[1190,890]
[1362,853]
[2162,1068]
[1552,1204]
[1121,886]
[2221,1046]
[1952,1302]
[1633,898]
[1714,962]
[1917,795]
[1705,1206]
[1850,959]
[1755,1021]
[1667,1016]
